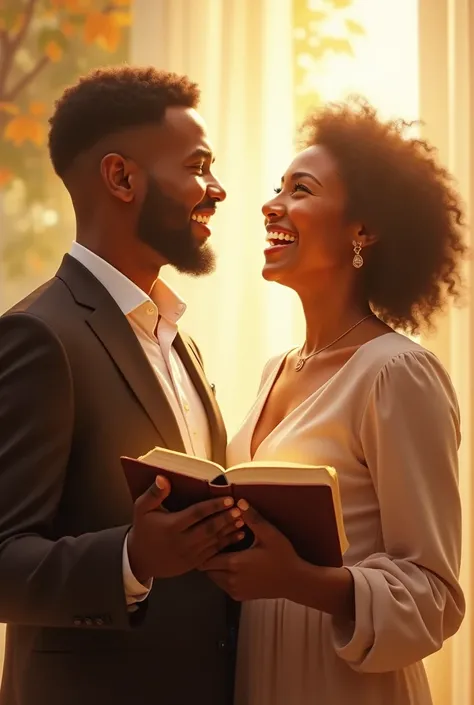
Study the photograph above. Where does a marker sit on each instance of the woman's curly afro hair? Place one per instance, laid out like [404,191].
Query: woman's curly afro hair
[400,193]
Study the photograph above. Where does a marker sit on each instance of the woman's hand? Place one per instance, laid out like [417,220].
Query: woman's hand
[264,571]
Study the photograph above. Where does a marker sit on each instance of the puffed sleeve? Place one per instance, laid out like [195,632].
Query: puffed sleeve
[408,599]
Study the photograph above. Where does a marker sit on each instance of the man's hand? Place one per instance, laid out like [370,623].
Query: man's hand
[264,571]
[166,544]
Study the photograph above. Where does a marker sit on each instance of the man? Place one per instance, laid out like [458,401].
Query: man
[92,367]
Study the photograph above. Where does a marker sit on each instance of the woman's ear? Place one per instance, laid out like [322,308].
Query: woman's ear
[365,238]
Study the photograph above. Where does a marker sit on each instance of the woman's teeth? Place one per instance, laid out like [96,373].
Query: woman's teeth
[276,239]
[201,218]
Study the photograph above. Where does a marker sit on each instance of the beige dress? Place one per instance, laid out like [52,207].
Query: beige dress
[388,421]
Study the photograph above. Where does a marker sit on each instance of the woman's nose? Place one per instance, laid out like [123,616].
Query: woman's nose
[272,209]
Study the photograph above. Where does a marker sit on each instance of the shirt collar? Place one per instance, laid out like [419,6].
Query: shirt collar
[127,295]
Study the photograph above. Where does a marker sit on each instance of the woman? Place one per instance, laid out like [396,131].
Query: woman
[368,231]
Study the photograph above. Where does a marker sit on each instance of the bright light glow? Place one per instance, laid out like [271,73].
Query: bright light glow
[385,66]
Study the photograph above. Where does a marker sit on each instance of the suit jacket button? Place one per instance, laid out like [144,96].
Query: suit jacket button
[77,622]
[99,621]
[88,621]
[221,644]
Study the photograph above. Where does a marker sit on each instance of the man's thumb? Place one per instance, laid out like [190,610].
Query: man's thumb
[154,497]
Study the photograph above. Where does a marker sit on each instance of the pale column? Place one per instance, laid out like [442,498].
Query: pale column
[239,51]
[446,104]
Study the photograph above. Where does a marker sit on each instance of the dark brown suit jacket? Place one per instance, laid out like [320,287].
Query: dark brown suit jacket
[76,393]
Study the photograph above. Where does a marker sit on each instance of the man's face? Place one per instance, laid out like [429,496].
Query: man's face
[180,194]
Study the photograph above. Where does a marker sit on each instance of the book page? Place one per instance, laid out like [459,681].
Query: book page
[181,463]
[281,473]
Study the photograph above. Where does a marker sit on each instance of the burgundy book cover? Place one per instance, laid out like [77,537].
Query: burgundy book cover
[304,513]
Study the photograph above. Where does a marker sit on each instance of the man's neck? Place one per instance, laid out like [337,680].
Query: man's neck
[141,271]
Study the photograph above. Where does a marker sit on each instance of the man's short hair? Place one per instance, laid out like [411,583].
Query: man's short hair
[109,100]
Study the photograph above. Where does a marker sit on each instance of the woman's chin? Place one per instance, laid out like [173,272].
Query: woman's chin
[278,273]
[281,263]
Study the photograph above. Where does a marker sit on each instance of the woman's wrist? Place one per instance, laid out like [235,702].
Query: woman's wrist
[329,590]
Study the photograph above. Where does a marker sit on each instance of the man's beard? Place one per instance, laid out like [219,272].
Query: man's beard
[165,226]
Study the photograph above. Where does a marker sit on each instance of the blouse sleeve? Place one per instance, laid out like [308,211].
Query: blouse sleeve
[408,599]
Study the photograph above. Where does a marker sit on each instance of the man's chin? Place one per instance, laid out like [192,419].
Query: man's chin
[201,263]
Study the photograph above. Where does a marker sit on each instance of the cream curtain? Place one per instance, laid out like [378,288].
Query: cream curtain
[447,105]
[239,51]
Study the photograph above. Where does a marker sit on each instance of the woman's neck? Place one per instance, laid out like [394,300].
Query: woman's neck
[330,312]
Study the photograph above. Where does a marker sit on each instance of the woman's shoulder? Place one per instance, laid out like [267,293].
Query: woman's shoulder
[394,358]
[392,348]
[272,364]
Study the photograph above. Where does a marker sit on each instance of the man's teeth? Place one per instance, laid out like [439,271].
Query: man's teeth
[201,218]
[280,238]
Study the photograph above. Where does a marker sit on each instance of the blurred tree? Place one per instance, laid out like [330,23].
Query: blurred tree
[44,46]
[321,28]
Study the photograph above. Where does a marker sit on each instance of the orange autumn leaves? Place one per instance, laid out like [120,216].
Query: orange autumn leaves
[86,22]
[69,26]
[25,127]
[22,128]
[103,29]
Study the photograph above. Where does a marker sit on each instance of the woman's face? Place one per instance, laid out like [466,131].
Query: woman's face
[307,234]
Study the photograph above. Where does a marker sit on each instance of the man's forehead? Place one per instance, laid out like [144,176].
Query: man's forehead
[179,136]
[186,127]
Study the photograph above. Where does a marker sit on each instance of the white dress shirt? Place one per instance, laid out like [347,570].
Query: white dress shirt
[154,320]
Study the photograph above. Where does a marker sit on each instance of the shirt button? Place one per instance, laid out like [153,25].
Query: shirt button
[150,310]
[186,406]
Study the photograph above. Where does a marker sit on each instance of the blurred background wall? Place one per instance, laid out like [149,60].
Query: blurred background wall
[261,64]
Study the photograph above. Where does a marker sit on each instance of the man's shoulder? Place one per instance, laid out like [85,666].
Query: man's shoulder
[45,302]
[48,310]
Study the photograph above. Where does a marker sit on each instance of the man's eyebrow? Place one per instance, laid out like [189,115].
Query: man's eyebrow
[300,174]
[202,152]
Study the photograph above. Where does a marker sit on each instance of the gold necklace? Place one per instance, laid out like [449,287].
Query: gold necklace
[300,363]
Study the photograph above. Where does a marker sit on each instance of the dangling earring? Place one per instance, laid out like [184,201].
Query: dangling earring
[357,261]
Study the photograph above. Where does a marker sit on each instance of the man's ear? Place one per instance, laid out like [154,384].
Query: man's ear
[119,175]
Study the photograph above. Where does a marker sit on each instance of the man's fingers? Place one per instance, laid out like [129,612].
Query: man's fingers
[214,550]
[214,530]
[153,497]
[203,510]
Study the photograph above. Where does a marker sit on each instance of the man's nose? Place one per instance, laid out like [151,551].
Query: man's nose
[216,190]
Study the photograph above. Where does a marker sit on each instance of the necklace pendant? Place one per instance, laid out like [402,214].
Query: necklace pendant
[300,364]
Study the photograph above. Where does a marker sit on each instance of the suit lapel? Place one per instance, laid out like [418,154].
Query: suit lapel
[195,370]
[113,330]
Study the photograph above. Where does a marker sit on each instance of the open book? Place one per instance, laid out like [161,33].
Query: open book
[302,501]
